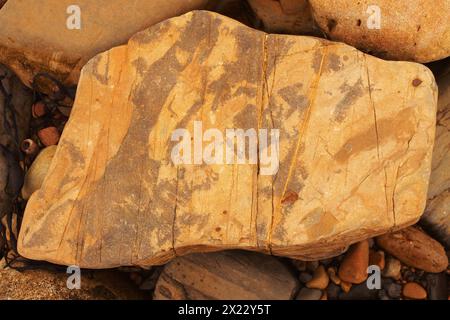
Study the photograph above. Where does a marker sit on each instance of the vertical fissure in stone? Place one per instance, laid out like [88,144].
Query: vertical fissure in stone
[259,123]
[372,104]
[266,89]
[175,211]
[311,98]
[377,135]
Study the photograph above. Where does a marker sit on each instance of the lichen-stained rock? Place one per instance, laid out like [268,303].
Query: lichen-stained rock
[34,36]
[230,275]
[437,212]
[416,30]
[355,140]
[285,16]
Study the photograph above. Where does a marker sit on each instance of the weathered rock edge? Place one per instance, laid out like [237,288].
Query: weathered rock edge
[356,137]
[34,38]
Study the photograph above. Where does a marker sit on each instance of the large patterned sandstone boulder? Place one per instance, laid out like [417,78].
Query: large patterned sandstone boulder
[355,141]
[34,36]
[416,30]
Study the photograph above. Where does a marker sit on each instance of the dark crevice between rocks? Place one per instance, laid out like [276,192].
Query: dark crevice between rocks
[2,3]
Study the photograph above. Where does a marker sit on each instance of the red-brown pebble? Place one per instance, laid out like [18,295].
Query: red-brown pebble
[353,268]
[377,258]
[416,249]
[49,136]
[38,109]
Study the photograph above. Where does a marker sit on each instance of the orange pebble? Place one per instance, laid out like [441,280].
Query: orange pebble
[49,136]
[38,109]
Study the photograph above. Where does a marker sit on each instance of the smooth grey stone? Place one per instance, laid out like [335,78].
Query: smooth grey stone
[304,277]
[382,295]
[394,290]
[437,286]
[333,291]
[359,292]
[309,294]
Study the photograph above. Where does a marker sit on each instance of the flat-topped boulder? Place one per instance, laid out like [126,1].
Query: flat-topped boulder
[352,159]
[43,36]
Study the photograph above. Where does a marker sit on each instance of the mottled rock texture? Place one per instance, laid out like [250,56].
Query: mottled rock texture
[34,36]
[416,30]
[226,276]
[437,213]
[356,136]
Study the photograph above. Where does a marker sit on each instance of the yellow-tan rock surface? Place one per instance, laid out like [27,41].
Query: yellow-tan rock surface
[415,30]
[37,172]
[34,36]
[355,141]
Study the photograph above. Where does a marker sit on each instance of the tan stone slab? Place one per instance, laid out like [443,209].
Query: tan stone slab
[356,136]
